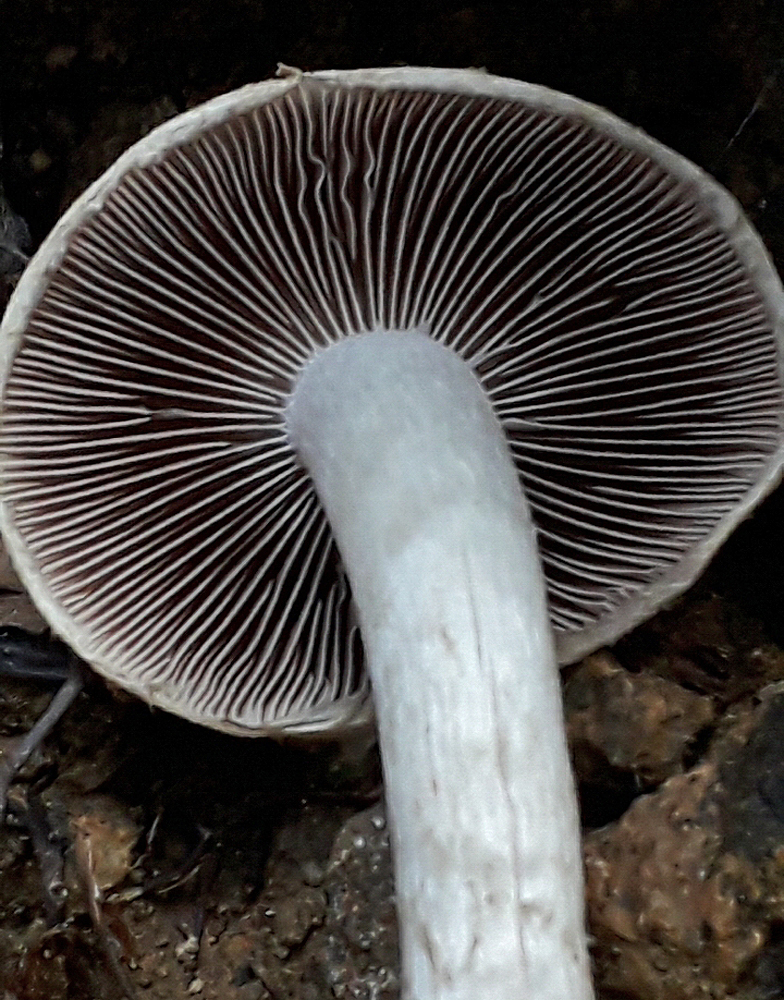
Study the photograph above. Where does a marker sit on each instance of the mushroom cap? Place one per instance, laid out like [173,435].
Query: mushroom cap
[621,314]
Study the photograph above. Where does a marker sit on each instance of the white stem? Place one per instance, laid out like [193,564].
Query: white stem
[415,475]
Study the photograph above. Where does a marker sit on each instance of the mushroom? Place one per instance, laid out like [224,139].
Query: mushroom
[298,366]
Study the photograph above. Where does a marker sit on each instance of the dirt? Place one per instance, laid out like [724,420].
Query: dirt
[145,857]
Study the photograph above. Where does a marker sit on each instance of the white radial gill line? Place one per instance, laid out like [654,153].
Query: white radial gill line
[440,266]
[538,330]
[42,410]
[563,622]
[310,248]
[110,490]
[283,624]
[610,244]
[133,208]
[196,627]
[643,487]
[216,164]
[125,582]
[726,280]
[185,182]
[607,434]
[312,571]
[561,208]
[121,304]
[132,459]
[108,482]
[604,338]
[175,284]
[83,511]
[140,556]
[86,383]
[274,619]
[312,684]
[226,589]
[597,593]
[431,179]
[317,682]
[612,550]
[322,248]
[257,305]
[122,293]
[383,156]
[736,399]
[258,616]
[556,174]
[342,123]
[299,686]
[339,663]
[229,591]
[275,247]
[541,320]
[532,172]
[324,242]
[663,459]
[256,233]
[727,334]
[661,473]
[560,218]
[756,399]
[79,325]
[432,176]
[610,520]
[765,431]
[449,260]
[699,258]
[209,155]
[625,484]
[218,431]
[591,610]
[78,356]
[285,139]
[680,528]
[605,563]
[129,536]
[35,514]
[319,646]
[393,156]
[128,388]
[354,215]
[560,378]
[167,597]
[339,119]
[696,293]
[270,152]
[722,496]
[691,505]
[604,574]
[569,213]
[43,404]
[368,249]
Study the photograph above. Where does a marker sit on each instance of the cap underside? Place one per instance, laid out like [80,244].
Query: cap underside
[623,319]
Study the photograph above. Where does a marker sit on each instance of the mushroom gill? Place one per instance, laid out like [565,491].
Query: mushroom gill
[617,315]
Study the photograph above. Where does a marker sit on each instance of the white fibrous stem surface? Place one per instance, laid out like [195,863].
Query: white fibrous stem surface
[418,483]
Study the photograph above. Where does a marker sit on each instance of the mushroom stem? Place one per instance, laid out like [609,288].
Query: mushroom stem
[418,483]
